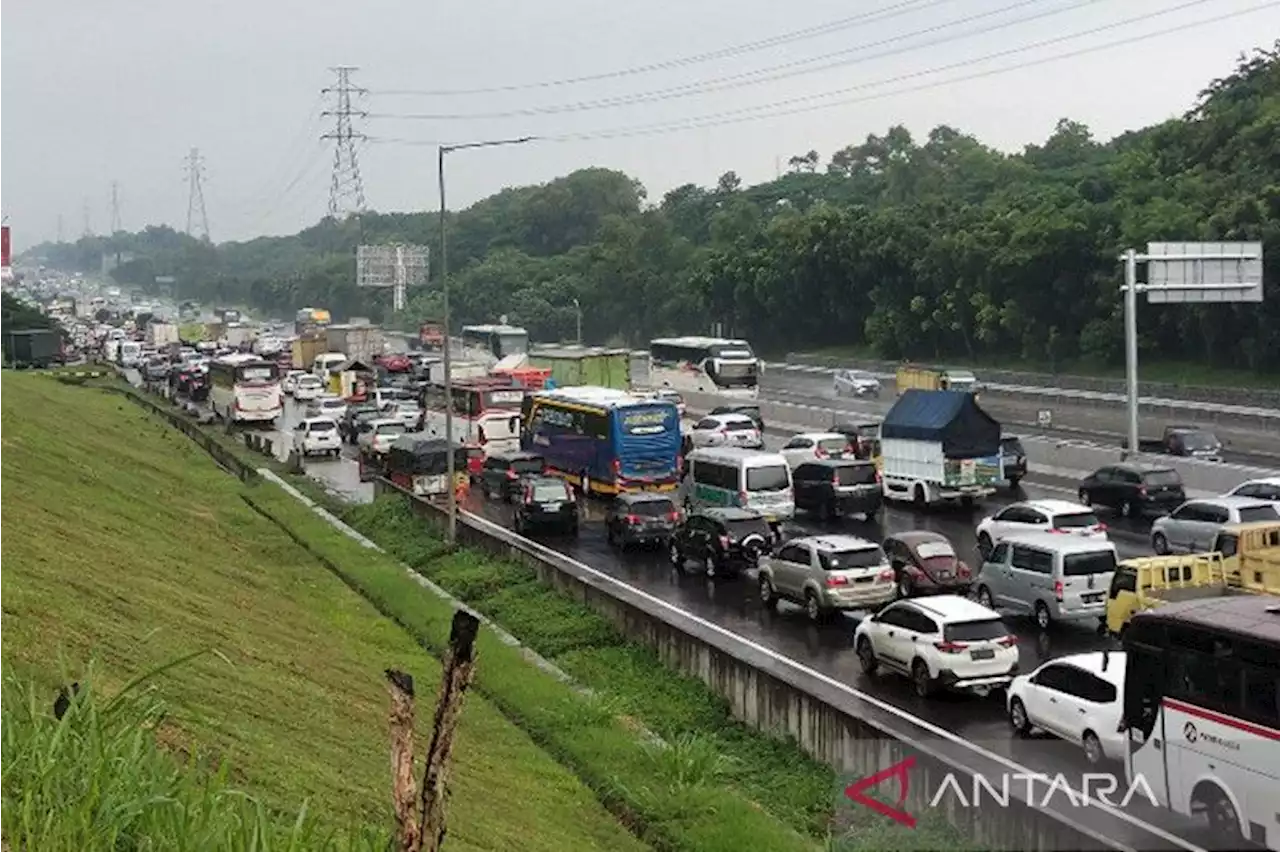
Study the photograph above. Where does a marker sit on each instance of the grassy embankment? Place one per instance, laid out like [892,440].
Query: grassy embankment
[129,548]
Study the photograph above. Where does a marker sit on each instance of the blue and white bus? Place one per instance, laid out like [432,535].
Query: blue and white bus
[604,440]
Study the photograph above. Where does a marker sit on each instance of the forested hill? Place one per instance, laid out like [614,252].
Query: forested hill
[929,248]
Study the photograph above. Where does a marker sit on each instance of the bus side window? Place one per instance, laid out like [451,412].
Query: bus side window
[1143,688]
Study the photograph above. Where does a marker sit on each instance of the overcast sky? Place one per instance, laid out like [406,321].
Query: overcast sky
[96,92]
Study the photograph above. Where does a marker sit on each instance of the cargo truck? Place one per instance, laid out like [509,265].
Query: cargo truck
[935,378]
[1245,560]
[161,334]
[303,350]
[939,446]
[34,347]
[358,342]
[573,366]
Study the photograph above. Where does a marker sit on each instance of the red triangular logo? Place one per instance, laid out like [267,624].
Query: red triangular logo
[855,792]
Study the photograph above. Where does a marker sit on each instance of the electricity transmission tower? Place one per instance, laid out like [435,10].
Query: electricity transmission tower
[115,207]
[195,193]
[346,191]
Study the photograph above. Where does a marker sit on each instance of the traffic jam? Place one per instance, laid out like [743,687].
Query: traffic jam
[916,557]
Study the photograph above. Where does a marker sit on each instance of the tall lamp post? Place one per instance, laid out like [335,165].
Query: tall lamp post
[452,529]
[577,307]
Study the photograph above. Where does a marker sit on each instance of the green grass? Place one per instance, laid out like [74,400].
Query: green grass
[128,547]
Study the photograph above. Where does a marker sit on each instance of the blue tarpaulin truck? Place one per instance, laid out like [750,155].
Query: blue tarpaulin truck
[938,446]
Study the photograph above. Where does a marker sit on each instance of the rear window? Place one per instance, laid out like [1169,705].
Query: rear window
[846,560]
[551,492]
[768,478]
[935,550]
[323,426]
[331,403]
[1249,514]
[652,508]
[1075,521]
[739,426]
[975,631]
[1083,564]
[1161,477]
[391,429]
[834,445]
[528,465]
[742,528]
[309,381]
[1012,446]
[857,474]
[1199,441]
[653,421]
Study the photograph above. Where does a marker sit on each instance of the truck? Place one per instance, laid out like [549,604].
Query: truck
[939,446]
[1245,560]
[227,315]
[32,347]
[1186,441]
[161,333]
[309,321]
[239,336]
[358,342]
[584,365]
[431,335]
[935,378]
[303,350]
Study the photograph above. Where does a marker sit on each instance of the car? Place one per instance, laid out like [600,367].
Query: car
[407,411]
[939,642]
[385,394]
[1013,458]
[726,430]
[380,435]
[725,540]
[864,435]
[546,503]
[641,518]
[925,563]
[831,488]
[1038,515]
[1267,489]
[1049,577]
[1134,490]
[327,405]
[1078,698]
[355,425]
[810,446]
[673,397]
[307,387]
[855,383]
[1193,526]
[501,474]
[315,436]
[749,409]
[827,574]
[290,381]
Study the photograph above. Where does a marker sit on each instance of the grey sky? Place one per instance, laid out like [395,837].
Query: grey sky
[95,92]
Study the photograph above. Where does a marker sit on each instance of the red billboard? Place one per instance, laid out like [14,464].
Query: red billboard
[4,245]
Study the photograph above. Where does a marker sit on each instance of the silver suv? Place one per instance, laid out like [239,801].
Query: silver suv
[826,574]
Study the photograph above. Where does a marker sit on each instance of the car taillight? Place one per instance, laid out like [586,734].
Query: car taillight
[878,476]
[1142,491]
[1007,641]
[962,569]
[832,582]
[887,574]
[1058,589]
[835,480]
[820,452]
[633,519]
[511,474]
[1099,527]
[724,542]
[673,515]
[950,647]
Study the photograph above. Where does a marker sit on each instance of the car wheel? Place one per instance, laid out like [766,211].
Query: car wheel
[1043,619]
[985,546]
[1018,718]
[1093,748]
[905,586]
[984,597]
[867,656]
[1086,498]
[1160,544]
[768,597]
[812,607]
[921,679]
[1014,480]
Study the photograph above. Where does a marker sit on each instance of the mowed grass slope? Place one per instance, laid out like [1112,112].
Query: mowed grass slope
[126,545]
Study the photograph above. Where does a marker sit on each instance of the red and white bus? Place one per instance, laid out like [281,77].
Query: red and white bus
[245,388]
[1202,712]
[486,413]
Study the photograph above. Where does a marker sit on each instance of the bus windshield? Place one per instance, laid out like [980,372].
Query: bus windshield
[256,374]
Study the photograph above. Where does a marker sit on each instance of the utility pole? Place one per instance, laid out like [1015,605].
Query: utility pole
[195,193]
[346,190]
[115,207]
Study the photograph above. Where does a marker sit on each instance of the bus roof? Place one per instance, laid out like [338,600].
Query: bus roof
[699,341]
[494,329]
[1256,616]
[593,395]
[572,351]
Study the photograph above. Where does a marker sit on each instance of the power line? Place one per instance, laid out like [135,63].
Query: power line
[195,193]
[346,190]
[115,208]
[774,73]
[884,14]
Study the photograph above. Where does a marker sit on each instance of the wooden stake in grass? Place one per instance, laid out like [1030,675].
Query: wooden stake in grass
[459,668]
[404,791]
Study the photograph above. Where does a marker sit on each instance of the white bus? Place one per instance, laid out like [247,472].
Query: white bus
[1202,712]
[704,365]
[498,341]
[244,388]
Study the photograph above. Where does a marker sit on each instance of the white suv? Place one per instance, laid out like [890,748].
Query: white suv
[811,446]
[317,436]
[307,387]
[726,430]
[942,641]
[380,435]
[1054,516]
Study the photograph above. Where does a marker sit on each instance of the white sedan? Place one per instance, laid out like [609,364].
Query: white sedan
[307,387]
[327,405]
[317,436]
[726,430]
[380,435]
[1077,698]
[1267,489]
[855,383]
[811,446]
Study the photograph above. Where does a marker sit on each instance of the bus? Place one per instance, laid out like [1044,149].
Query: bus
[496,341]
[486,412]
[244,388]
[705,365]
[1202,712]
[604,440]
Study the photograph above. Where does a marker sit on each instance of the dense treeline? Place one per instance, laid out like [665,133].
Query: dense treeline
[929,248]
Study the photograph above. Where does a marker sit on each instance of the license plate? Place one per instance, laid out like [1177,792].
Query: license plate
[982,654]
[551,507]
[944,575]
[1091,598]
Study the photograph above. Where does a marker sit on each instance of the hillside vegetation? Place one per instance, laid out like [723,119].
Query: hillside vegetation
[129,548]
[938,247]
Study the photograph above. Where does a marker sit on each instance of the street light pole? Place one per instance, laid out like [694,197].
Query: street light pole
[451,531]
[578,308]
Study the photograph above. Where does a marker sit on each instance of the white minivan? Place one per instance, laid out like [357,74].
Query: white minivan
[749,479]
[1048,576]
[326,362]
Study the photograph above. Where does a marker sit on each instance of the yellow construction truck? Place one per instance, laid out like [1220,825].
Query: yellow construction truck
[935,378]
[1245,560]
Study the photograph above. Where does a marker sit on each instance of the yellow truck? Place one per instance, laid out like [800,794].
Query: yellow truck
[935,378]
[1245,560]
[305,349]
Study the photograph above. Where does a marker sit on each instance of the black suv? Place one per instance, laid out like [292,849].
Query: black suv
[833,487]
[643,518]
[1014,457]
[500,477]
[1134,489]
[749,409]
[546,503]
[723,540]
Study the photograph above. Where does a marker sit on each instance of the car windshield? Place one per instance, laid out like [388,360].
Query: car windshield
[651,508]
[1094,562]
[1250,514]
[856,474]
[834,445]
[1199,441]
[323,426]
[935,550]
[528,465]
[743,527]
[1161,477]
[773,478]
[1012,447]
[975,631]
[847,560]
[1075,521]
[390,428]
[549,492]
